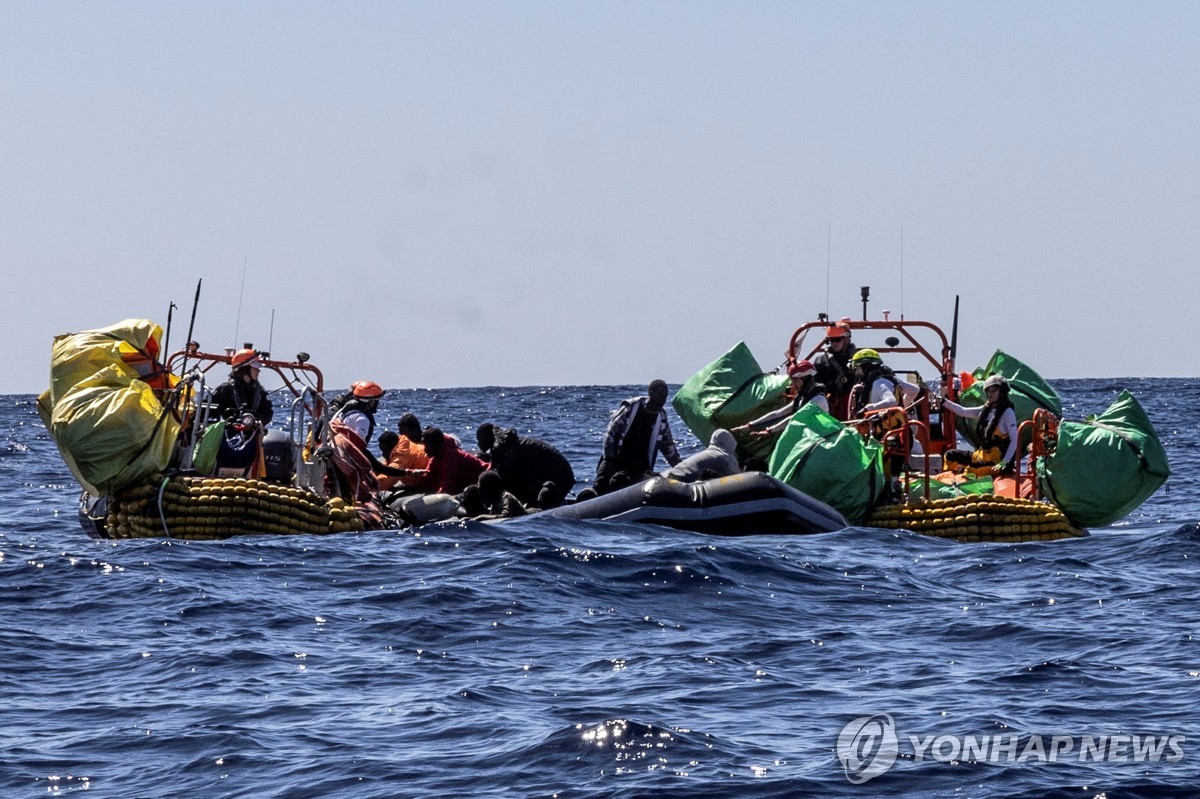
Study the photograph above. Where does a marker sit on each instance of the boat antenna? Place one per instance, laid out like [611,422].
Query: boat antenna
[242,293]
[902,273]
[954,333]
[187,347]
[271,335]
[828,262]
[166,347]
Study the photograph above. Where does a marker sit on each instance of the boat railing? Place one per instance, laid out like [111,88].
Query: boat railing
[199,402]
[302,433]
[1042,430]
[922,430]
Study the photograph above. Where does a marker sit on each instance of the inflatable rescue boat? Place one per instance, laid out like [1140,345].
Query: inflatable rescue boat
[889,468]
[141,438]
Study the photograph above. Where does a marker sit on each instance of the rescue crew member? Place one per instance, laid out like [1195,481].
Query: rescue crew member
[242,395]
[834,370]
[995,428]
[350,432]
[805,389]
[876,387]
[637,432]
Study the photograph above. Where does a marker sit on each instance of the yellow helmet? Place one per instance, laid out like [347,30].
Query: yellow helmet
[866,355]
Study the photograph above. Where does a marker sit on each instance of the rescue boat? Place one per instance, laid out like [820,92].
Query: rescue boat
[890,468]
[146,448]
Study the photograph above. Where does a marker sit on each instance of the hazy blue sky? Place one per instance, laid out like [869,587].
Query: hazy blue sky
[447,194]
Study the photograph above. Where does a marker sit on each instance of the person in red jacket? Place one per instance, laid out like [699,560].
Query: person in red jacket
[450,468]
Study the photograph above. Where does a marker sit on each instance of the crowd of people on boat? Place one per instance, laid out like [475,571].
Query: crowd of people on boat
[510,474]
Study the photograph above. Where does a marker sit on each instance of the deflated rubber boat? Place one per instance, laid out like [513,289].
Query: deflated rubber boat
[742,504]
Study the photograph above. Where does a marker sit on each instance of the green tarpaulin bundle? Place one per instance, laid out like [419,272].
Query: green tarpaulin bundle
[940,490]
[109,425]
[822,457]
[1106,466]
[1027,390]
[729,392]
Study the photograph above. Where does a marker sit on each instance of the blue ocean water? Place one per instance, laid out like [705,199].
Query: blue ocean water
[551,659]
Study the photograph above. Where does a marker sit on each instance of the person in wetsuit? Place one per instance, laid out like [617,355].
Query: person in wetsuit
[637,432]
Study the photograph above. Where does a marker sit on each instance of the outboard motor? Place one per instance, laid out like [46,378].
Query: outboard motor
[278,454]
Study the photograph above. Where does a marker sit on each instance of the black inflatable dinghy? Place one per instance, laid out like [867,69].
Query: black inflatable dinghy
[749,503]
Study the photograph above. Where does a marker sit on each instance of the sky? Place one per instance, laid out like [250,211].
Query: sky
[442,194]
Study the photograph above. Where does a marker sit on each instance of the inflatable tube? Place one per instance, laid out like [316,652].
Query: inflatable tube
[977,518]
[749,503]
[418,509]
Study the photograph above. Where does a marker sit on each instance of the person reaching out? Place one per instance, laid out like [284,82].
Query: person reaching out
[995,428]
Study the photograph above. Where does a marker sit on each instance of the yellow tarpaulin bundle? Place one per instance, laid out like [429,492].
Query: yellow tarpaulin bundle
[110,427]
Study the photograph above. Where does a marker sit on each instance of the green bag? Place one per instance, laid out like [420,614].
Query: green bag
[940,490]
[1028,392]
[1106,466]
[822,457]
[204,456]
[729,392]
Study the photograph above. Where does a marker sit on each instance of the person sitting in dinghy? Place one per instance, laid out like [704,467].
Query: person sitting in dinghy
[996,428]
[719,459]
[404,451]
[805,389]
[451,468]
[487,499]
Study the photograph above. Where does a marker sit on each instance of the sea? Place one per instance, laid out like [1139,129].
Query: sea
[554,658]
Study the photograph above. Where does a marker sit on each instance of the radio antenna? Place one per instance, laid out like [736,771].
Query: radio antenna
[902,273]
[271,335]
[238,322]
[828,262]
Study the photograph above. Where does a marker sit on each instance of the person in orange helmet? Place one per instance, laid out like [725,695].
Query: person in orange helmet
[834,370]
[350,431]
[242,398]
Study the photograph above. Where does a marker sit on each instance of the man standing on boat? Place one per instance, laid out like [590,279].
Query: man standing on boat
[834,370]
[637,432]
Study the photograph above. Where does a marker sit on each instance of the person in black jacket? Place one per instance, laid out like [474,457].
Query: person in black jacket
[526,465]
[242,395]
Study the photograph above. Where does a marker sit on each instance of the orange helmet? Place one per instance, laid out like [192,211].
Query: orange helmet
[836,331]
[366,389]
[245,358]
